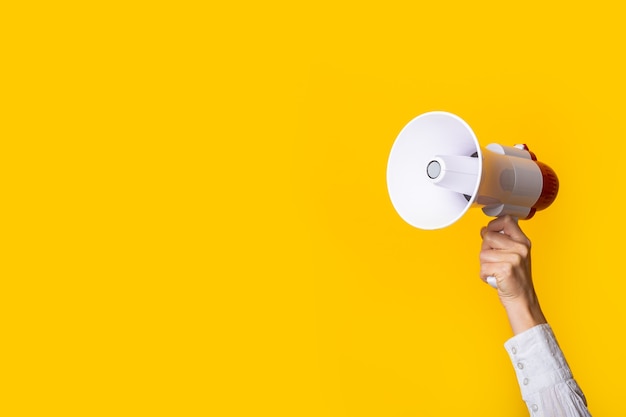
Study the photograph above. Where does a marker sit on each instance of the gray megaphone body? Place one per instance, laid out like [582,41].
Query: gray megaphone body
[437,171]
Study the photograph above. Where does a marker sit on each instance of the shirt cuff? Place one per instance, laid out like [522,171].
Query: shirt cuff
[537,359]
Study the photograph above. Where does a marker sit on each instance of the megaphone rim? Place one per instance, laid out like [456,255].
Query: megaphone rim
[400,210]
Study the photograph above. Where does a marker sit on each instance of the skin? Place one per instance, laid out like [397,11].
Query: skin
[505,255]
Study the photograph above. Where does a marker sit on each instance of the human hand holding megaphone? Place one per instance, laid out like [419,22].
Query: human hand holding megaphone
[437,171]
[505,254]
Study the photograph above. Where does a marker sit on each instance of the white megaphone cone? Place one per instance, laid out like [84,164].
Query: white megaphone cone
[437,171]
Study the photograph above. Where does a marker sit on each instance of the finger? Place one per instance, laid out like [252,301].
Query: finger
[501,257]
[497,240]
[488,270]
[500,271]
[489,279]
[510,227]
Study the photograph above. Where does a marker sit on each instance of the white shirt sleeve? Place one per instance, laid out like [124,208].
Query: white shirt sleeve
[544,377]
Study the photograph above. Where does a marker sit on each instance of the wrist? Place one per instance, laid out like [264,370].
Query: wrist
[524,314]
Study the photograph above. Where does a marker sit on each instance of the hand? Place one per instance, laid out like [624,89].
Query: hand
[505,255]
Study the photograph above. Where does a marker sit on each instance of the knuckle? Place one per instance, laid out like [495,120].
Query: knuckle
[518,260]
[528,243]
[522,250]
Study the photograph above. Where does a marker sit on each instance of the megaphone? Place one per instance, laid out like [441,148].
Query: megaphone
[437,170]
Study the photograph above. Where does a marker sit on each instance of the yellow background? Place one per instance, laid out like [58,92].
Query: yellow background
[195,217]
